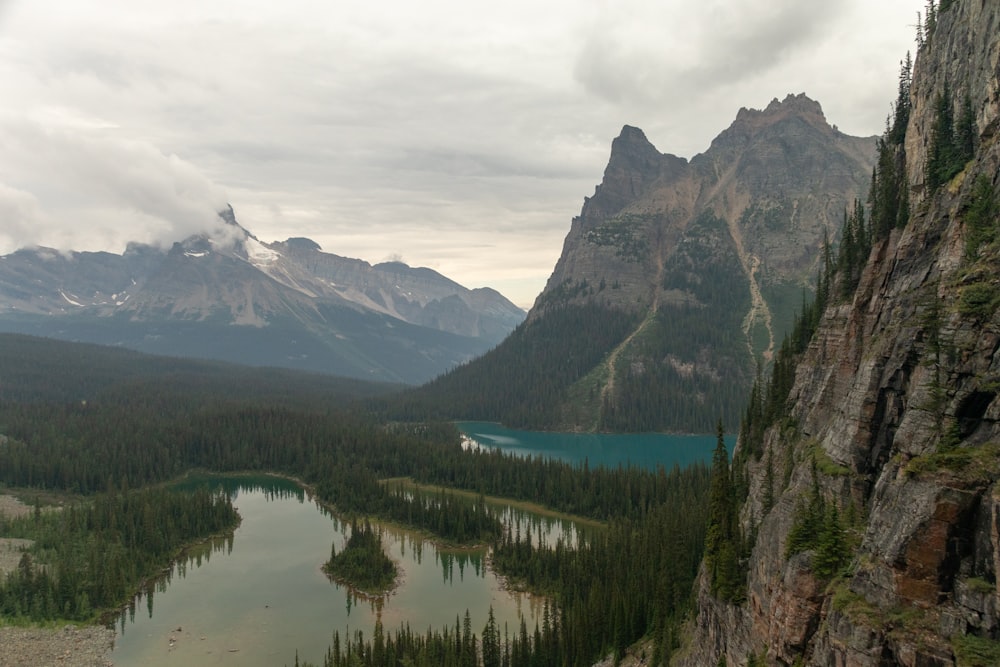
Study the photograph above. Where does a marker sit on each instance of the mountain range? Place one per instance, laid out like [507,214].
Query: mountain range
[228,296]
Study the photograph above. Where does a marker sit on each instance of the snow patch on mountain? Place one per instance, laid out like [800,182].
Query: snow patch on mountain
[259,254]
[69,300]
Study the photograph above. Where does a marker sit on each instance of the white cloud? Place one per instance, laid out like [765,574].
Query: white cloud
[460,135]
[637,56]
[21,216]
[98,189]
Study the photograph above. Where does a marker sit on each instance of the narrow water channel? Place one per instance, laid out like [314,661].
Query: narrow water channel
[259,597]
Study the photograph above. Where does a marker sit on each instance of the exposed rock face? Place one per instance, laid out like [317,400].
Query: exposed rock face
[732,237]
[897,396]
[228,296]
[780,177]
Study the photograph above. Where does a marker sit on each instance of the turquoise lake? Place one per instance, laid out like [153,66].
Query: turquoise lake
[645,450]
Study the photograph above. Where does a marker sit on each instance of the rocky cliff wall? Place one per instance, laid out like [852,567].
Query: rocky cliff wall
[895,405]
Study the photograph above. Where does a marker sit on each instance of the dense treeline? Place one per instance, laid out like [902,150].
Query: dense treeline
[443,514]
[599,493]
[43,370]
[97,554]
[632,581]
[344,455]
[524,380]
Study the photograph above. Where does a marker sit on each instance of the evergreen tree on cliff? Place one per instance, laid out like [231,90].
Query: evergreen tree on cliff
[722,540]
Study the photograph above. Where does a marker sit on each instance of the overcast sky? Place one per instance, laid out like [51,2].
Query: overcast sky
[458,135]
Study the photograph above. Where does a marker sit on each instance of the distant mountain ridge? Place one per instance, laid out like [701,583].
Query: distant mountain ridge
[229,296]
[703,262]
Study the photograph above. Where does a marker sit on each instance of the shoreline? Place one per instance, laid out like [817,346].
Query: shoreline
[72,645]
[68,646]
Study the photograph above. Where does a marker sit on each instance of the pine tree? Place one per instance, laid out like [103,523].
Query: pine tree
[951,144]
[982,217]
[902,107]
[722,544]
[768,501]
[965,131]
[930,20]
[491,642]
[831,545]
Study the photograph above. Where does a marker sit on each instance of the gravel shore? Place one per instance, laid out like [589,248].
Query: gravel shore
[87,646]
[70,646]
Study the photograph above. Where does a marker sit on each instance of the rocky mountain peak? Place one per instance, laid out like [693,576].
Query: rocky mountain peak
[752,123]
[228,216]
[632,145]
[799,104]
[633,167]
[302,243]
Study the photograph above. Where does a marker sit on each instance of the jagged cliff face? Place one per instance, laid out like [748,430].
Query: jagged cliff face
[780,178]
[727,242]
[896,399]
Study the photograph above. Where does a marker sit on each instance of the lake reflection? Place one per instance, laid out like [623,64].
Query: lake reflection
[257,597]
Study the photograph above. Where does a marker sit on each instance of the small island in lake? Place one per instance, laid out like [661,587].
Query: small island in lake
[362,564]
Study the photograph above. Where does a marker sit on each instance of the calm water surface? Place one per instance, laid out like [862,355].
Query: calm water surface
[646,450]
[258,597]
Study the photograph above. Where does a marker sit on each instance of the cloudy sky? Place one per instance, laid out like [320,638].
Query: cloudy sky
[458,135]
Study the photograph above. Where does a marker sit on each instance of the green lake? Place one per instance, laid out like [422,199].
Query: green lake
[644,450]
[256,598]
[259,596]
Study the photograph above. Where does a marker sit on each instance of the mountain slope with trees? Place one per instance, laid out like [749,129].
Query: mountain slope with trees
[687,272]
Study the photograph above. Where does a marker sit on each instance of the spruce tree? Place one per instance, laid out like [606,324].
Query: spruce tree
[902,107]
[965,131]
[831,545]
[952,144]
[722,545]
